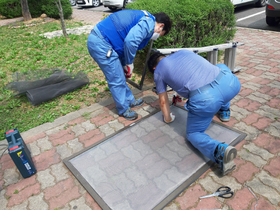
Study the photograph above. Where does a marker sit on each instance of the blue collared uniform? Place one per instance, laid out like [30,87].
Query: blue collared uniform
[209,89]
[124,33]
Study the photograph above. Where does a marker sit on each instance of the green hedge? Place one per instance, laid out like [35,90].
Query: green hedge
[196,23]
[12,8]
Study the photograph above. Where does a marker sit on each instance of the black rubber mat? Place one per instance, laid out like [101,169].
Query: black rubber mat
[146,165]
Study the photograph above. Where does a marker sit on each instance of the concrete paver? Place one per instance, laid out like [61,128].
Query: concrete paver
[255,111]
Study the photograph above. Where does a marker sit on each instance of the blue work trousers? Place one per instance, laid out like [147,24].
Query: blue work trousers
[98,48]
[204,105]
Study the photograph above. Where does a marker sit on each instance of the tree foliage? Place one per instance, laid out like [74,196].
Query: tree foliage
[12,8]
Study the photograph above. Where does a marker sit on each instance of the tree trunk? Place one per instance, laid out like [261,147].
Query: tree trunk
[25,10]
[60,10]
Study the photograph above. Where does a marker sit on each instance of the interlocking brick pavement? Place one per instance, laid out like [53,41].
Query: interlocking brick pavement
[255,111]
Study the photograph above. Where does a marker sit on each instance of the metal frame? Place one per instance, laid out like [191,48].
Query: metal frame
[81,179]
[144,72]
[198,173]
[212,56]
[172,195]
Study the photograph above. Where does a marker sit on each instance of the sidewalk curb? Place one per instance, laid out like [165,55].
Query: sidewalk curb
[74,115]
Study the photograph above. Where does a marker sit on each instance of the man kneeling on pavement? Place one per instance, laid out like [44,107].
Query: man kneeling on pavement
[208,88]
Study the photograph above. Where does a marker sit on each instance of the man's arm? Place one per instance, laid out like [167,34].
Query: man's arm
[164,106]
[135,36]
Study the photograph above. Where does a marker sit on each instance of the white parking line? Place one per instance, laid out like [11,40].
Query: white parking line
[250,16]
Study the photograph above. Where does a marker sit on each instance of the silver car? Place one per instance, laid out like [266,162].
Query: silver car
[272,12]
[239,3]
[88,3]
[72,2]
[116,4]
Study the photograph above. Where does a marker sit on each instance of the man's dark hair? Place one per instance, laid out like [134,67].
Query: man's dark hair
[153,61]
[163,18]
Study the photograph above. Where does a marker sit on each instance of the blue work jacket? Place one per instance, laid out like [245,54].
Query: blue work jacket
[127,31]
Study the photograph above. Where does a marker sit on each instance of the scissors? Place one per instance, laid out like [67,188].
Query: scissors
[223,192]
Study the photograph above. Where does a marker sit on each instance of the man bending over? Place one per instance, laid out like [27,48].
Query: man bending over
[208,88]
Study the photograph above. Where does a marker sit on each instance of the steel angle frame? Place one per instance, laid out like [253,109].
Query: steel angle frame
[198,173]
[80,178]
[168,198]
[212,56]
[145,69]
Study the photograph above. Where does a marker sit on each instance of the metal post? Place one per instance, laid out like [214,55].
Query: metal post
[228,53]
[229,59]
[234,69]
[212,56]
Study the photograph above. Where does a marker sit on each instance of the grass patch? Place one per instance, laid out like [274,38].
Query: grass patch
[24,50]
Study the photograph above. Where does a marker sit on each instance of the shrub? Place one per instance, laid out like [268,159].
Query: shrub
[51,10]
[195,23]
[35,7]
[12,8]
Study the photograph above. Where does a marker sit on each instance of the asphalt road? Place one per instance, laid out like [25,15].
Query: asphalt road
[253,17]
[246,16]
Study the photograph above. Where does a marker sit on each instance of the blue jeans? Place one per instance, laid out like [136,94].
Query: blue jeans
[204,105]
[112,69]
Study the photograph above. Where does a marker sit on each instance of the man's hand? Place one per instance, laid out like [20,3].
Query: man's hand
[128,70]
[176,98]
[172,116]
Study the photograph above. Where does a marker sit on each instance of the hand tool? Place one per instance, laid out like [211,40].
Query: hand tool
[223,192]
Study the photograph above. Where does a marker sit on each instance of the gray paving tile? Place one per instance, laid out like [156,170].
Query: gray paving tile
[37,201]
[45,178]
[64,151]
[264,154]
[3,200]
[44,144]
[274,129]
[11,176]
[256,160]
[79,204]
[22,206]
[59,172]
[268,192]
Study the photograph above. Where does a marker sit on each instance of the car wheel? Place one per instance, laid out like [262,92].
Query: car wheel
[125,2]
[113,8]
[261,3]
[72,2]
[271,21]
[95,3]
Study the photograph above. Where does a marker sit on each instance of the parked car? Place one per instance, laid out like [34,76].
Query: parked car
[88,3]
[272,12]
[258,3]
[116,4]
[72,2]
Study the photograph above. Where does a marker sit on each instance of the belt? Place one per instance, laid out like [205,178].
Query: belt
[205,87]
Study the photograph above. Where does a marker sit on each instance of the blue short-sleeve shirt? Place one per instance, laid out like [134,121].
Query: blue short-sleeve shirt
[184,71]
